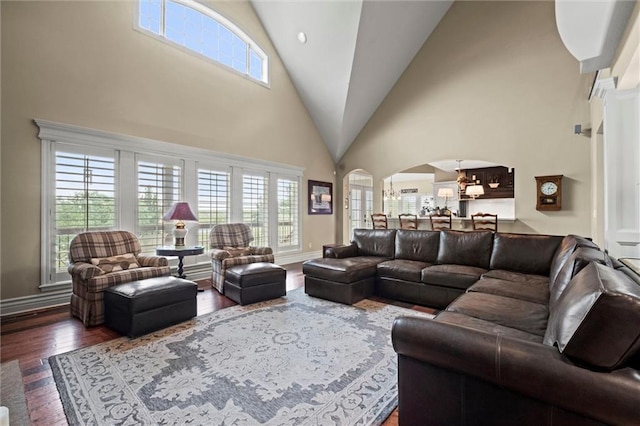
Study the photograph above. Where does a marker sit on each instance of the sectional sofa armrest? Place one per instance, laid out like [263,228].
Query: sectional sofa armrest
[340,252]
[152,261]
[532,369]
[84,270]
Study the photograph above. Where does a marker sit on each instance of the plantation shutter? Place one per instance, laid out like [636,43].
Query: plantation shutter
[213,201]
[255,206]
[288,210]
[159,186]
[85,199]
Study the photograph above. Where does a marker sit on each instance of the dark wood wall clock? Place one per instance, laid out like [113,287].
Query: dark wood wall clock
[549,192]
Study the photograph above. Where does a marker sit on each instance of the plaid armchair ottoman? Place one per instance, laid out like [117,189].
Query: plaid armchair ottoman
[230,247]
[102,259]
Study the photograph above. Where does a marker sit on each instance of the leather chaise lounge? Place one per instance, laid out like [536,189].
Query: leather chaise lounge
[533,329]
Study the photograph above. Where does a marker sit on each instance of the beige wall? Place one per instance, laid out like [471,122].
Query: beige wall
[493,82]
[82,63]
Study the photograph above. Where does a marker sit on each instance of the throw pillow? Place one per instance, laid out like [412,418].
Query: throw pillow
[238,251]
[121,262]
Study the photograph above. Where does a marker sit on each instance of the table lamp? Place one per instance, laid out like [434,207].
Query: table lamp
[180,212]
[445,193]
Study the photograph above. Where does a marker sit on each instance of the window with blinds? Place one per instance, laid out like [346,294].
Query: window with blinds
[255,206]
[214,201]
[409,204]
[85,198]
[93,183]
[159,186]
[288,211]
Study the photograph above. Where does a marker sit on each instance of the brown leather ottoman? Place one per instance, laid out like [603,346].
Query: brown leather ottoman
[340,280]
[140,307]
[255,282]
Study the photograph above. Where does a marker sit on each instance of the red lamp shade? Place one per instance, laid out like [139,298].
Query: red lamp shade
[180,211]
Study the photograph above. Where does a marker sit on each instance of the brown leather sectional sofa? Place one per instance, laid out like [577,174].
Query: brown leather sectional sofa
[534,329]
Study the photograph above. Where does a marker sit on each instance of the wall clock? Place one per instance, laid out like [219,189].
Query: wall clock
[549,192]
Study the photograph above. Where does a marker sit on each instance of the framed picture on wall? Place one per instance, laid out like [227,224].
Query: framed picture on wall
[320,197]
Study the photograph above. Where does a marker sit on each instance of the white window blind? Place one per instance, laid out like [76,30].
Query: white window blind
[213,201]
[288,211]
[85,199]
[255,206]
[159,186]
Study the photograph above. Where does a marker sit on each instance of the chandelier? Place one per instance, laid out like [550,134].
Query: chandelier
[390,193]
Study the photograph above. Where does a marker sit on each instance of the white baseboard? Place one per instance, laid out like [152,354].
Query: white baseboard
[62,296]
[49,299]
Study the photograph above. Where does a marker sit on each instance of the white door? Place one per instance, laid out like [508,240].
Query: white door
[360,207]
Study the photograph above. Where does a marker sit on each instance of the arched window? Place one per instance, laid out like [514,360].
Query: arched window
[206,32]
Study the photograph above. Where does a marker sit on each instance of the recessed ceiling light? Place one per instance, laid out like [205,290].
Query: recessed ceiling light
[302,37]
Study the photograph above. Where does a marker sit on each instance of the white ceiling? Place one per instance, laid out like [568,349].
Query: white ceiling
[355,52]
[357,49]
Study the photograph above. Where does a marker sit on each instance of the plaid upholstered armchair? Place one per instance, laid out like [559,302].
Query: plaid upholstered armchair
[102,259]
[230,247]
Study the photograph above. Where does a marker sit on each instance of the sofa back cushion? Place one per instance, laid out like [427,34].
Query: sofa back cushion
[375,242]
[97,244]
[526,253]
[580,258]
[417,245]
[567,246]
[465,248]
[596,319]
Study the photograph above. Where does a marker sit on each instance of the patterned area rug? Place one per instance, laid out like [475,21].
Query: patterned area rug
[12,393]
[296,360]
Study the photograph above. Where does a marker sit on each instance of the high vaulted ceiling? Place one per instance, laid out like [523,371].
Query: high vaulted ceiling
[355,51]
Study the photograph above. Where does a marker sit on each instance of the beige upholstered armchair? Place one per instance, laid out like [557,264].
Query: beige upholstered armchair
[230,247]
[102,259]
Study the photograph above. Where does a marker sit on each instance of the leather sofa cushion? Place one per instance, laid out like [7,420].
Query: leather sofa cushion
[347,270]
[417,245]
[596,319]
[533,291]
[513,313]
[527,253]
[518,277]
[456,276]
[465,248]
[567,246]
[402,269]
[375,242]
[580,258]
[486,326]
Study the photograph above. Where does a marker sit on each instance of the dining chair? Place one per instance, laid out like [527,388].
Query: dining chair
[408,221]
[484,221]
[440,221]
[379,221]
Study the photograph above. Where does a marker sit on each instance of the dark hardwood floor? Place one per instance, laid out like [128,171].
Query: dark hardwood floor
[33,337]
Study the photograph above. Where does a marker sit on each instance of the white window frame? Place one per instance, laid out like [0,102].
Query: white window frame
[48,198]
[208,11]
[126,147]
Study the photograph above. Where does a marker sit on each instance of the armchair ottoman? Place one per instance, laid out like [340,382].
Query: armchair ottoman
[255,282]
[140,307]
